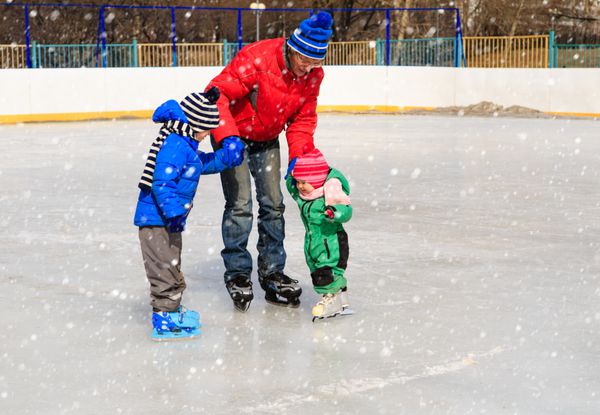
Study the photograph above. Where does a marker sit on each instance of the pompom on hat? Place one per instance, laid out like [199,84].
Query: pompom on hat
[312,36]
[311,168]
[201,109]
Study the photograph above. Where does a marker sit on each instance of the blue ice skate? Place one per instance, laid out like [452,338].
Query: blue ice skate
[169,326]
[187,317]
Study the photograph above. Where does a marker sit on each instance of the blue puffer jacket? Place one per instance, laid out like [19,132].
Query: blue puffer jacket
[179,165]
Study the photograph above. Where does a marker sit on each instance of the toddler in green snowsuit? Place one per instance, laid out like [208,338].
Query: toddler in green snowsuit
[322,194]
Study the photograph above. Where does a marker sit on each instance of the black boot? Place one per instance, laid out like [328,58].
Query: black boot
[240,290]
[280,289]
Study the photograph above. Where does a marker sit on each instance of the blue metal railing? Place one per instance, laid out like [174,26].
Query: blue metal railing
[576,56]
[405,52]
[572,56]
[101,54]
[82,55]
[230,49]
[418,52]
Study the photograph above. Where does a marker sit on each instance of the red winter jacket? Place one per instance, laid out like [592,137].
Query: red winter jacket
[259,96]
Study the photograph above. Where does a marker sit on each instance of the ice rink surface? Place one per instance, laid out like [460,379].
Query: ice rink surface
[474,272]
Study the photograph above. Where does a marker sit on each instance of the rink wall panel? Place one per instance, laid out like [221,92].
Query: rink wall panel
[89,93]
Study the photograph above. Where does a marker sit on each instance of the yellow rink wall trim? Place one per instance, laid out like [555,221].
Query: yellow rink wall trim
[146,114]
[368,108]
[574,114]
[74,116]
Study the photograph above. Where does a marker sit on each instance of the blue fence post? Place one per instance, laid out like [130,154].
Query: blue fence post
[27,40]
[99,31]
[387,36]
[173,37]
[239,29]
[103,23]
[135,53]
[101,39]
[551,50]
[457,40]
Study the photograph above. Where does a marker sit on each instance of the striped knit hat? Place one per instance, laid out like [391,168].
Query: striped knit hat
[312,168]
[201,109]
[312,37]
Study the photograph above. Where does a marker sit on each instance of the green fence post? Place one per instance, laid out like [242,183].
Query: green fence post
[34,54]
[135,53]
[551,51]
[225,48]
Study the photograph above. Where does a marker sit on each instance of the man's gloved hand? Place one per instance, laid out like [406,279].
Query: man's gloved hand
[290,167]
[233,151]
[176,224]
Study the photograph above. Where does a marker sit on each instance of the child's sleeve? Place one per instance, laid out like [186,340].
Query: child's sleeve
[236,81]
[169,165]
[290,183]
[211,162]
[341,213]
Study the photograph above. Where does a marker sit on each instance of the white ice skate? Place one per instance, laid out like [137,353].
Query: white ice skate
[332,305]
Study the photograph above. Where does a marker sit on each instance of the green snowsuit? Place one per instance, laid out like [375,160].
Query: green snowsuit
[326,242]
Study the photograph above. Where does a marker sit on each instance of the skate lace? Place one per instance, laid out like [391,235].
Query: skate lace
[327,299]
[281,278]
[284,278]
[242,282]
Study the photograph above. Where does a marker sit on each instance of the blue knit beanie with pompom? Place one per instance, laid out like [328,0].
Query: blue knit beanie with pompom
[312,36]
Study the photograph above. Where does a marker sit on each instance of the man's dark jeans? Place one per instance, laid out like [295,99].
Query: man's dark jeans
[262,161]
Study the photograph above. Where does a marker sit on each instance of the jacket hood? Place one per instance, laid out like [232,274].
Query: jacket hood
[168,111]
[171,110]
[336,174]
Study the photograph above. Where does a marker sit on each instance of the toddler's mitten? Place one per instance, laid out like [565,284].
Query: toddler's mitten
[329,212]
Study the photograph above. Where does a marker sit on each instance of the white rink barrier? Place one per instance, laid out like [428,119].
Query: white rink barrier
[91,93]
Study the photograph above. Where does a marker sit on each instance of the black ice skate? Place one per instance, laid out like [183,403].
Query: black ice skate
[240,290]
[281,290]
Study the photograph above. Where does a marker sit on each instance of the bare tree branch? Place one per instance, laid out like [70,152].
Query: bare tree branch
[573,17]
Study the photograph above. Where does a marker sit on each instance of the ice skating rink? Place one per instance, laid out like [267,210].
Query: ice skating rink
[474,272]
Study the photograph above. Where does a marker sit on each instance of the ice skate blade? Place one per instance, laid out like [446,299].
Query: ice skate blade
[175,337]
[273,299]
[281,303]
[241,306]
[344,312]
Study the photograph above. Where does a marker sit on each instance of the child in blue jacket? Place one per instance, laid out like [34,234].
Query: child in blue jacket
[167,188]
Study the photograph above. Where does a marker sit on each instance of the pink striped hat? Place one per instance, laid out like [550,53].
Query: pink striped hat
[312,168]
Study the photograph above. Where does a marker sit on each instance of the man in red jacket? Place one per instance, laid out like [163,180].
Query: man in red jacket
[270,85]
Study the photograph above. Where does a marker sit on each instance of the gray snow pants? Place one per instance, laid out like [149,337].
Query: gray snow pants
[161,251]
